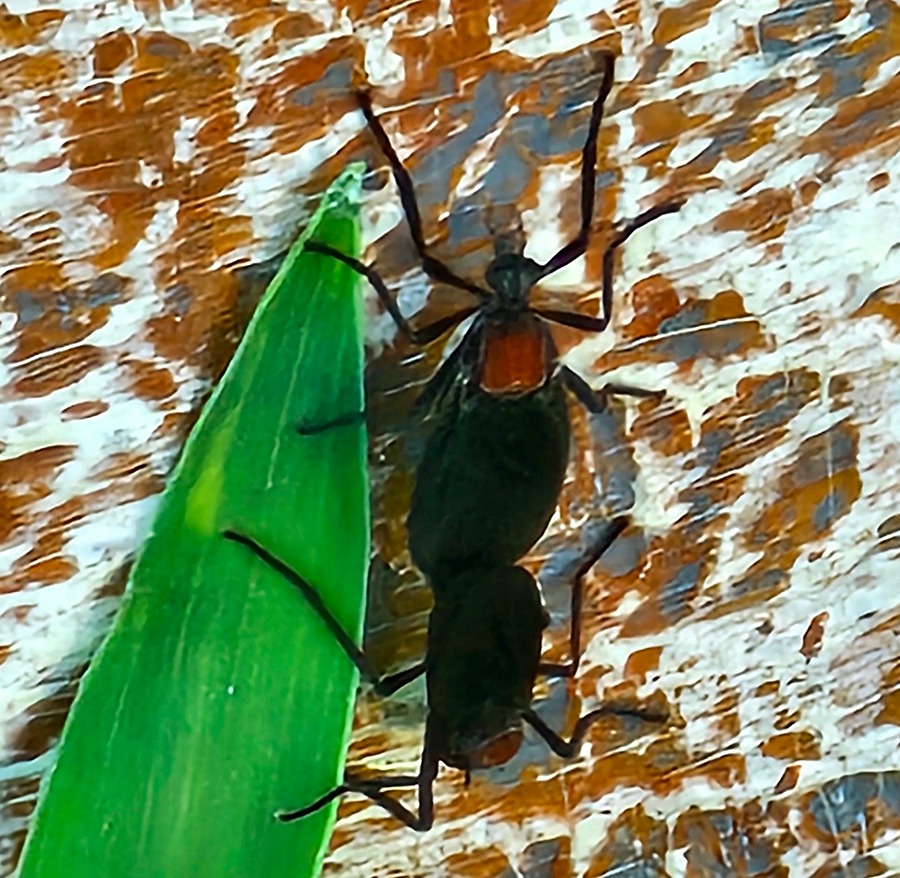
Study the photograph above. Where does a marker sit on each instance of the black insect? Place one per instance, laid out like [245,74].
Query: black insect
[492,468]
[499,437]
[483,657]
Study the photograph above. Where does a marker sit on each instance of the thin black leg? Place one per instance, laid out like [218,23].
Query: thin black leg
[570,668]
[422,336]
[392,682]
[434,268]
[374,789]
[350,419]
[598,324]
[578,244]
[313,598]
[595,400]
[567,749]
[626,230]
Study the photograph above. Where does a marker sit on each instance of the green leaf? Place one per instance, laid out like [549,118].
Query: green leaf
[220,697]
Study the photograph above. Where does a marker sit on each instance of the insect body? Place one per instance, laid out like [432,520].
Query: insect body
[499,434]
[484,648]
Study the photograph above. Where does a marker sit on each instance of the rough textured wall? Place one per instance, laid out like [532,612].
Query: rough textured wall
[154,156]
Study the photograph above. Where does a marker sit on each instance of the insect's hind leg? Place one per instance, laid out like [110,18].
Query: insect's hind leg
[313,598]
[373,789]
[570,668]
[568,748]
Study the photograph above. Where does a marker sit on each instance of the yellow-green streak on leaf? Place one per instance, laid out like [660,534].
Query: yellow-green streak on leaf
[220,697]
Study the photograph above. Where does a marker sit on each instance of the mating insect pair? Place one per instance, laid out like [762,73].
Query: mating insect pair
[489,480]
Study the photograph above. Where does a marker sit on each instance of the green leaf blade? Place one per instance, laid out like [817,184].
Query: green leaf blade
[220,697]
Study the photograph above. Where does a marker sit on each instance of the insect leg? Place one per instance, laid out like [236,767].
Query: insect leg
[373,789]
[422,336]
[595,400]
[434,268]
[313,598]
[578,244]
[570,668]
[392,682]
[567,749]
[625,231]
[598,324]
[350,419]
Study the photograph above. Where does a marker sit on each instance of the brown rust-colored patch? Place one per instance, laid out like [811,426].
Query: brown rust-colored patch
[715,328]
[149,381]
[44,572]
[675,22]
[763,216]
[797,24]
[792,746]
[110,51]
[641,662]
[292,26]
[890,698]
[692,73]
[486,862]
[788,779]
[664,121]
[123,465]
[47,544]
[288,102]
[532,798]
[48,372]
[671,579]
[23,31]
[106,158]
[80,410]
[812,638]
[42,72]
[249,21]
[727,717]
[817,490]
[879,181]
[861,123]
[514,19]
[454,46]
[653,299]
[885,302]
[26,479]
[785,718]
[44,720]
[889,534]
[770,687]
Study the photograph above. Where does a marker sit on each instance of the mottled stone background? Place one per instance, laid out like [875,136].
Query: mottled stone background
[155,158]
